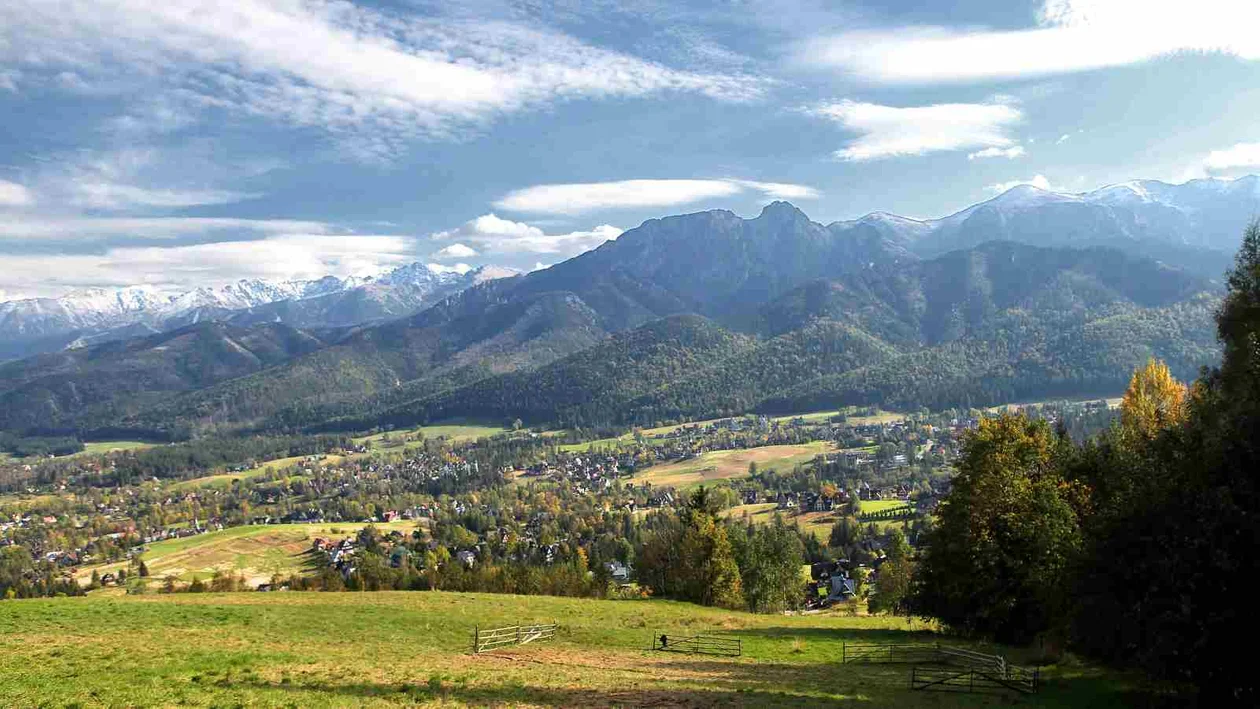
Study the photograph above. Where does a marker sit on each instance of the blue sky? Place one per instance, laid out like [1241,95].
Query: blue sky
[183,143]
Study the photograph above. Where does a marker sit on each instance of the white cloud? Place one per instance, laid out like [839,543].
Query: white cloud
[1015,151]
[780,190]
[180,268]
[93,229]
[1038,181]
[578,198]
[372,77]
[113,196]
[1239,155]
[455,251]
[889,131]
[460,268]
[1072,36]
[497,236]
[14,195]
[1063,139]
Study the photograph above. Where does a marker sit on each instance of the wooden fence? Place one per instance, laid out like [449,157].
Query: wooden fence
[486,640]
[698,644]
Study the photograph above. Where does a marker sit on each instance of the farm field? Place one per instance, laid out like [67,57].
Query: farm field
[108,446]
[453,431]
[225,479]
[256,551]
[412,649]
[881,505]
[730,464]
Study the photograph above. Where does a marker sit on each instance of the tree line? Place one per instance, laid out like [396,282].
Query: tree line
[1134,548]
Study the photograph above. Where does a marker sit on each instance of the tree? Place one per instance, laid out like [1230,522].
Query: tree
[1153,402]
[771,568]
[997,561]
[144,570]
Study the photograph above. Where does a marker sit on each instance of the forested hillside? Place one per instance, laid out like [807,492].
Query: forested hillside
[791,313]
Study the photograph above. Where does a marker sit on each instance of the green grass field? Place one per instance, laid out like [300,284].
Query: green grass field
[255,551]
[458,432]
[730,464]
[882,505]
[412,649]
[224,480]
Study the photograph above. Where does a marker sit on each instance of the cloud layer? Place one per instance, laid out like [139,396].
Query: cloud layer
[179,268]
[495,236]
[891,131]
[580,198]
[373,77]
[1072,36]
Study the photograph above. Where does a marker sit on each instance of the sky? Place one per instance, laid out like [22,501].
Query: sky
[187,143]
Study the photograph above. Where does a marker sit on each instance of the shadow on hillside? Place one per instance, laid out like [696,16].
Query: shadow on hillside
[516,694]
[850,635]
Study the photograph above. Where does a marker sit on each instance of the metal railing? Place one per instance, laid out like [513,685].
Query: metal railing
[698,644]
[889,653]
[946,668]
[486,640]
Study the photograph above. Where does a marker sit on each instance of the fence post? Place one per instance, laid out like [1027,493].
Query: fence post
[518,634]
[476,639]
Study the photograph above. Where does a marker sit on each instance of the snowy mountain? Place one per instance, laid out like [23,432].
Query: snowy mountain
[93,315]
[1197,224]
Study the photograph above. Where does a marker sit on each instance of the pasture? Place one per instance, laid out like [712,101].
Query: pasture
[255,551]
[730,464]
[402,649]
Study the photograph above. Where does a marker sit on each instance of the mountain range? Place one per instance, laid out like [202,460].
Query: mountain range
[95,315]
[705,314]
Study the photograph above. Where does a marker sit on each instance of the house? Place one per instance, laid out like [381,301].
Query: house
[467,558]
[618,571]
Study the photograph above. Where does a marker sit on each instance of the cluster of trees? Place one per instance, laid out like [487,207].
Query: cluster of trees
[23,577]
[25,446]
[692,555]
[1134,548]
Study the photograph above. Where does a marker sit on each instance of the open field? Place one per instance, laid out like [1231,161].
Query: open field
[108,446]
[453,431]
[255,551]
[412,649]
[881,505]
[225,479]
[1112,403]
[730,464]
[758,512]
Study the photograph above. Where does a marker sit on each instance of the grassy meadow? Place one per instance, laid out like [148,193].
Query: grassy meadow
[401,649]
[255,552]
[730,464]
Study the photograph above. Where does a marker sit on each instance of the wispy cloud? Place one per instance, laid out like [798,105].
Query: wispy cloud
[891,131]
[1038,181]
[579,198]
[1071,36]
[80,229]
[1015,151]
[494,235]
[371,77]
[180,268]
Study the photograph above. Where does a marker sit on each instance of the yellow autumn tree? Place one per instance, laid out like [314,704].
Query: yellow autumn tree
[1154,400]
